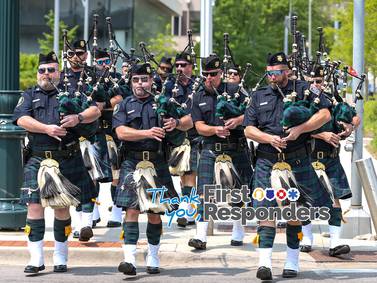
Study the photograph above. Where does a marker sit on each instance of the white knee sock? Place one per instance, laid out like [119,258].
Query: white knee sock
[36,253]
[60,256]
[307,239]
[201,231]
[265,255]
[238,231]
[291,261]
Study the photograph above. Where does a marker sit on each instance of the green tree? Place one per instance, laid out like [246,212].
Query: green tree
[46,44]
[28,70]
[257,27]
[163,44]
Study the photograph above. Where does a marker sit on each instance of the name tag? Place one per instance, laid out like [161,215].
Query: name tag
[35,100]
[132,111]
[203,103]
[263,103]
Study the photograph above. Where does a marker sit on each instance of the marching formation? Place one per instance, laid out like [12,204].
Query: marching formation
[89,124]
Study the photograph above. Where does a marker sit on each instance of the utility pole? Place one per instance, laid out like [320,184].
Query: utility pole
[56,26]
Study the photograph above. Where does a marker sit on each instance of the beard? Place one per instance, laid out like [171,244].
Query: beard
[48,83]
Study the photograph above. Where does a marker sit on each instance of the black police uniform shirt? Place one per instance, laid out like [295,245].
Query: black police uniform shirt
[137,114]
[266,111]
[182,97]
[204,109]
[74,77]
[43,106]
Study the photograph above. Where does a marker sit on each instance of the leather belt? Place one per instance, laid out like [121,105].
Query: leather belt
[281,156]
[142,155]
[57,154]
[317,154]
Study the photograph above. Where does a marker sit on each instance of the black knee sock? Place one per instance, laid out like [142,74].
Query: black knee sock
[266,236]
[113,192]
[88,207]
[335,216]
[294,235]
[154,232]
[130,233]
[35,229]
[62,229]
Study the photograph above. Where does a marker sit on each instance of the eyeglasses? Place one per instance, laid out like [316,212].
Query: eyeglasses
[50,70]
[166,69]
[71,53]
[212,74]
[318,81]
[274,73]
[137,79]
[183,65]
[105,61]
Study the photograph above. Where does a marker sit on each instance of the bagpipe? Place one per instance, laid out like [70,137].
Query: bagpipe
[231,105]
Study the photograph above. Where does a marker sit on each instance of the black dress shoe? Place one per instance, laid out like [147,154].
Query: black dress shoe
[289,273]
[153,270]
[76,234]
[182,222]
[264,273]
[34,269]
[190,223]
[95,222]
[85,234]
[197,244]
[305,248]
[127,268]
[339,250]
[113,224]
[60,268]
[236,243]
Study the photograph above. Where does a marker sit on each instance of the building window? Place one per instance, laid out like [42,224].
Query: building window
[175,25]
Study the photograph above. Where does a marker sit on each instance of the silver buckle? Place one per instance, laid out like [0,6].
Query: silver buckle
[145,155]
[105,124]
[320,155]
[218,146]
[48,154]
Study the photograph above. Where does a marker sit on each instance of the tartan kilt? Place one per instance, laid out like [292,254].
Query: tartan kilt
[72,168]
[194,156]
[100,147]
[337,177]
[305,177]
[207,165]
[126,193]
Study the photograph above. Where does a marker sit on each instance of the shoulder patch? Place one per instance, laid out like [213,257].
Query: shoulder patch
[20,101]
[116,109]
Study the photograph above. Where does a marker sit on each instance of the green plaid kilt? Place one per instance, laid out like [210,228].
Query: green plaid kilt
[337,177]
[100,147]
[72,168]
[194,156]
[126,194]
[305,177]
[207,165]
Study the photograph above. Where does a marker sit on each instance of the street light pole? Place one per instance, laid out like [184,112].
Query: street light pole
[310,30]
[56,26]
[357,220]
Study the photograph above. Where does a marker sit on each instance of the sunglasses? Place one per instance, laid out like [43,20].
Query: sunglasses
[71,53]
[105,61]
[50,70]
[212,74]
[233,73]
[183,65]
[137,79]
[275,73]
[318,81]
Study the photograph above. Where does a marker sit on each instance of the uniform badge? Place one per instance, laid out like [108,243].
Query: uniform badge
[279,58]
[20,101]
[217,64]
[116,109]
[82,43]
[53,57]
[148,70]
[188,57]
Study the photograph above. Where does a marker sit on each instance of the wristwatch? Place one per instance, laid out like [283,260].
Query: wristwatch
[177,122]
[80,117]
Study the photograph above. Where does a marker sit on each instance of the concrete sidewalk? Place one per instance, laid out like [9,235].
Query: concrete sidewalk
[105,247]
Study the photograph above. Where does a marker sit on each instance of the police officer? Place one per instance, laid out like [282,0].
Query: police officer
[115,90]
[77,56]
[164,70]
[219,137]
[182,92]
[263,125]
[326,148]
[135,122]
[50,137]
